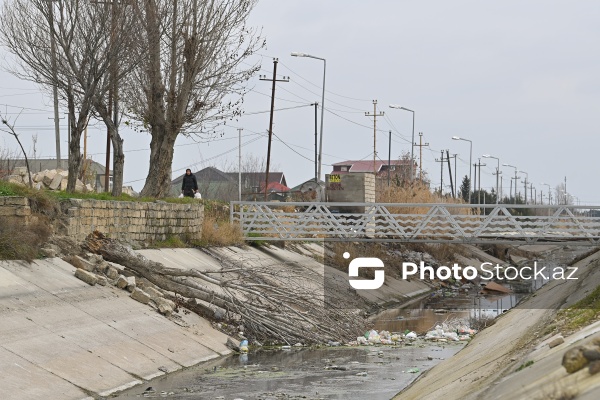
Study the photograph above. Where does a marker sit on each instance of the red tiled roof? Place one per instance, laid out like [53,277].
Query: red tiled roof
[276,187]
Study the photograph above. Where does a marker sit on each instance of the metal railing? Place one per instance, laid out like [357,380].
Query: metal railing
[427,223]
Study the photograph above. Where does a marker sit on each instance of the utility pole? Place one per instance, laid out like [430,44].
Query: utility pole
[455,176]
[516,178]
[475,179]
[390,156]
[531,192]
[441,161]
[316,160]
[450,173]
[274,80]
[375,115]
[421,145]
[479,184]
[240,164]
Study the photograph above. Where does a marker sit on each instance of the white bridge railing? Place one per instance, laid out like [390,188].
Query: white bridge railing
[442,223]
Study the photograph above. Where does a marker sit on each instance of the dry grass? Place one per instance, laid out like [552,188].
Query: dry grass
[415,193]
[18,242]
[220,233]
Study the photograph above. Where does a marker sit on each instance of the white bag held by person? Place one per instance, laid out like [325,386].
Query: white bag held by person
[197,195]
[181,196]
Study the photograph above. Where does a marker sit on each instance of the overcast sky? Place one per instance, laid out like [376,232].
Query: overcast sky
[518,77]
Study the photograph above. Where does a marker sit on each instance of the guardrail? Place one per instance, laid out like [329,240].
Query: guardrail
[427,223]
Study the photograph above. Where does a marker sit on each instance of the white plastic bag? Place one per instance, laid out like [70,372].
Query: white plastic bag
[181,196]
[197,195]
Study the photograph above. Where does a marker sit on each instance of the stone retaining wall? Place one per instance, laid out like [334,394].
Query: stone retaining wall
[138,221]
[16,209]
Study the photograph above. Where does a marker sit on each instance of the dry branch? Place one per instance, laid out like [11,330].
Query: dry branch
[278,302]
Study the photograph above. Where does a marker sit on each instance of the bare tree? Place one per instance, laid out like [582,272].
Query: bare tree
[10,129]
[85,40]
[194,54]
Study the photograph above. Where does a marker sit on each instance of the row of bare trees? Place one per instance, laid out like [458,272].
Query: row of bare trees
[175,67]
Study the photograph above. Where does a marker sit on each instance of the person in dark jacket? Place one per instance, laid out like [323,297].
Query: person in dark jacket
[189,185]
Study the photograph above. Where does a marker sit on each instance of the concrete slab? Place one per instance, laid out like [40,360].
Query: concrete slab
[56,354]
[23,380]
[93,339]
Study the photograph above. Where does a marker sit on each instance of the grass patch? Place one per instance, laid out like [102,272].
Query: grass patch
[172,242]
[13,189]
[582,313]
[524,365]
[256,243]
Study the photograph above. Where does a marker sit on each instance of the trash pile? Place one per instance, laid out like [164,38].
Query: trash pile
[445,333]
[456,330]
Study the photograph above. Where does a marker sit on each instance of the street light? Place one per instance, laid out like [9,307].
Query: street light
[549,194]
[470,161]
[497,174]
[295,54]
[515,178]
[412,143]
[526,180]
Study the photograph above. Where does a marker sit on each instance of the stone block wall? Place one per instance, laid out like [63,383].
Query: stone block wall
[134,221]
[16,209]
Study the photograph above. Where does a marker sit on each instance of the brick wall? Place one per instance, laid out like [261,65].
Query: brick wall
[118,219]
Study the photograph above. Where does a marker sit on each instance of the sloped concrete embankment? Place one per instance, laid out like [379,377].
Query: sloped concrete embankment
[298,259]
[63,339]
[489,366]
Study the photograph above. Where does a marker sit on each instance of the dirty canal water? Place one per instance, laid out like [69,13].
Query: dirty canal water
[370,372]
[366,372]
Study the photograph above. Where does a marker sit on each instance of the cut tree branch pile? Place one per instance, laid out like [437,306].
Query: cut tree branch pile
[281,302]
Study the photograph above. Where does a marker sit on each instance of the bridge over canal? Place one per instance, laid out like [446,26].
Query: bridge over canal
[413,223]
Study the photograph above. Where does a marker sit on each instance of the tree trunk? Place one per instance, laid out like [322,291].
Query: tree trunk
[158,181]
[117,143]
[76,128]
[118,163]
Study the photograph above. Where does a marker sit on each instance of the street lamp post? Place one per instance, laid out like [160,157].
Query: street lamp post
[470,161]
[549,194]
[515,178]
[525,182]
[412,143]
[322,106]
[497,174]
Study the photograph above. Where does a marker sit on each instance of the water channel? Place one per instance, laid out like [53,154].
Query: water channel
[367,372]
